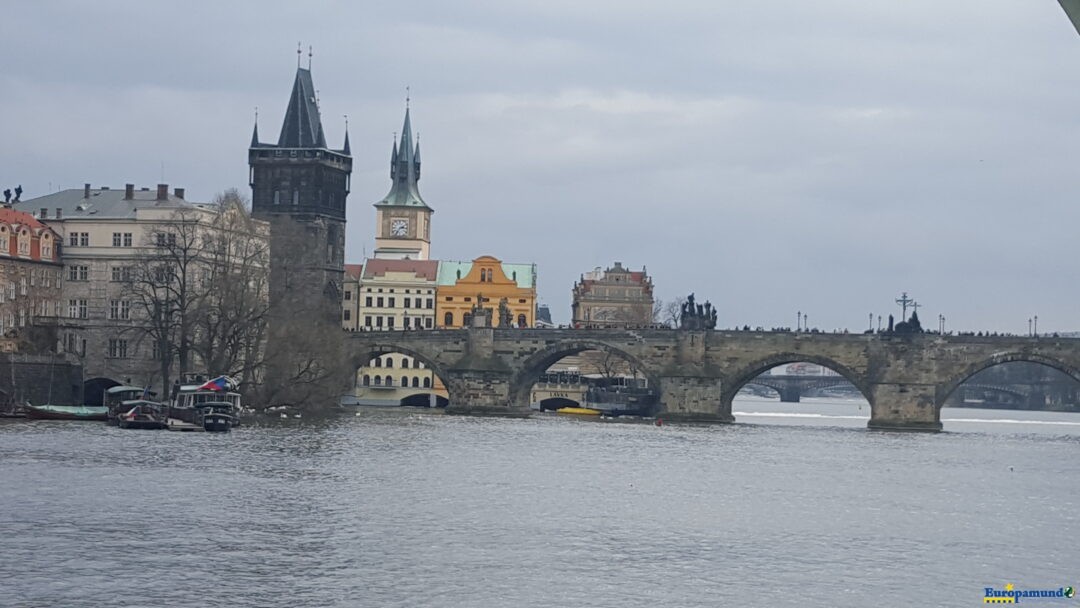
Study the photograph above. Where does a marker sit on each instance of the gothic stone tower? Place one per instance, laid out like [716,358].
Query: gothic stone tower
[403,219]
[299,186]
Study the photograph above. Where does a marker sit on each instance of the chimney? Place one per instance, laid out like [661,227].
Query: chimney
[163,192]
[59,213]
[178,192]
[129,191]
[86,191]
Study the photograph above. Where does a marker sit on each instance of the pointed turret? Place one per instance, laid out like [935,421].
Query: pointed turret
[255,136]
[404,171]
[346,148]
[302,127]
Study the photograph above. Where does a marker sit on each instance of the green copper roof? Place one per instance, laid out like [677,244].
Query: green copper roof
[404,172]
[526,273]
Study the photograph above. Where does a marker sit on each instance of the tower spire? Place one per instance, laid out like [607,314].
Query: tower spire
[255,131]
[302,127]
[404,169]
[346,148]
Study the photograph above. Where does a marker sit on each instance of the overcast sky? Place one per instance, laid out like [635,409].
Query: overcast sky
[772,156]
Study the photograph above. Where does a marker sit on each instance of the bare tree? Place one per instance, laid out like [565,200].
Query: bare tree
[672,313]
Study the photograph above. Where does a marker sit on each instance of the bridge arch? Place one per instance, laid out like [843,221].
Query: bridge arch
[749,372]
[530,370]
[948,388]
[364,353]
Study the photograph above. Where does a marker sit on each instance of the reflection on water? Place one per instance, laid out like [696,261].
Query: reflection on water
[400,508]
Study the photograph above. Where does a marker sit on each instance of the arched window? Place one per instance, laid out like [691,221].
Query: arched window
[448,320]
[416,381]
[378,380]
[377,362]
[427,382]
[389,381]
[466,319]
[389,362]
[522,321]
[404,362]
[367,380]
[416,363]
[404,381]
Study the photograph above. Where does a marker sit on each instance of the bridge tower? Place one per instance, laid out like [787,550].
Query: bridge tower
[300,186]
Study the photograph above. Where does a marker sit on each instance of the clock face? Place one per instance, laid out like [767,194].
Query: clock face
[399,227]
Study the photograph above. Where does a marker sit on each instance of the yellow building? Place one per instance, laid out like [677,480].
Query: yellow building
[460,284]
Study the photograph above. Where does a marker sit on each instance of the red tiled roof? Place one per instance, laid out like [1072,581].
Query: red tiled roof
[12,216]
[354,271]
[425,269]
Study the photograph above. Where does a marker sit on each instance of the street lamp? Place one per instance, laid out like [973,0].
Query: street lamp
[871,322]
[798,320]
[1036,326]
[941,324]
[1029,327]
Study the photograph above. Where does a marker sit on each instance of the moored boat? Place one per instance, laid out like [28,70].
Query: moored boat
[66,412]
[114,399]
[143,414]
[215,416]
[212,405]
[578,411]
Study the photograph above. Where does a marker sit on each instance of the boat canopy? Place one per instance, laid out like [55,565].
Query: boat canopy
[123,389]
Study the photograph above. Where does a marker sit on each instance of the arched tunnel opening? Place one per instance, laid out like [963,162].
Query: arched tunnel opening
[394,379]
[1025,395]
[799,392]
[592,382]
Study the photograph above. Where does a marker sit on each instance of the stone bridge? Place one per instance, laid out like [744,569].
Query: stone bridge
[906,378]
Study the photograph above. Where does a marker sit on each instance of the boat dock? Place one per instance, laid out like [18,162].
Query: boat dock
[175,424]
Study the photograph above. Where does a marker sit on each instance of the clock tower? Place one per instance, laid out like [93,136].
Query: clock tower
[403,220]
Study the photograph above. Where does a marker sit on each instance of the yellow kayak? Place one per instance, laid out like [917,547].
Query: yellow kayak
[580,411]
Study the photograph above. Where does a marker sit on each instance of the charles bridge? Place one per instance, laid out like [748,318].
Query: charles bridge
[905,377]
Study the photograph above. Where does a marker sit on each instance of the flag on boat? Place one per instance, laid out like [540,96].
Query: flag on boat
[221,383]
[146,393]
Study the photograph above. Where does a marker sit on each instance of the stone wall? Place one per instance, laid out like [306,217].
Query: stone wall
[41,379]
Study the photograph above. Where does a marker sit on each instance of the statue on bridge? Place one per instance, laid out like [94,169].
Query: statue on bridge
[506,318]
[697,316]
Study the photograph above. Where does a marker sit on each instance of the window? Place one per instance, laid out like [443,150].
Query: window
[378,380]
[367,321]
[416,363]
[428,322]
[78,273]
[427,382]
[22,317]
[404,381]
[116,239]
[348,295]
[416,381]
[522,322]
[11,291]
[127,239]
[118,348]
[378,362]
[367,380]
[123,239]
[348,314]
[449,298]
[379,302]
[119,309]
[46,247]
[404,362]
[378,321]
[390,322]
[389,362]
[405,322]
[24,242]
[33,277]
[407,302]
[120,273]
[84,239]
[22,286]
[389,381]
[73,239]
[448,319]
[277,197]
[77,309]
[390,303]
[430,303]
[367,301]
[71,343]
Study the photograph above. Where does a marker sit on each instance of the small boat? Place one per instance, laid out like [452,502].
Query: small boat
[66,412]
[115,397]
[143,414]
[578,411]
[215,416]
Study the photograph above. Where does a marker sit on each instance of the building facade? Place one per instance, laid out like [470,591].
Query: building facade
[350,297]
[485,282]
[398,295]
[31,276]
[616,297]
[108,236]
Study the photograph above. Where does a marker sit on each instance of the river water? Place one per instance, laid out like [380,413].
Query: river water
[797,505]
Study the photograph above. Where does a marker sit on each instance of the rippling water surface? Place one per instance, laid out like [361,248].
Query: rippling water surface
[798,505]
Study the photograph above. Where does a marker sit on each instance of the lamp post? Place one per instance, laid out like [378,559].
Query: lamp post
[879,323]
[798,321]
[1036,326]
[871,322]
[941,324]
[806,321]
[1029,327]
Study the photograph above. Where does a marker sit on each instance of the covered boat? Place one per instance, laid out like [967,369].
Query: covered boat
[114,398]
[213,405]
[66,412]
[143,414]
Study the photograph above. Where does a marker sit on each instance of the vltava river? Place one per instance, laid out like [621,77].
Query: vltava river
[396,508]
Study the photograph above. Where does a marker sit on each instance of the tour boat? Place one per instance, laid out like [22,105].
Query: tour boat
[212,405]
[66,412]
[578,411]
[142,414]
[113,399]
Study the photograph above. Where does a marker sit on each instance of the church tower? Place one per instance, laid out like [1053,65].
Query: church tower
[403,220]
[299,186]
